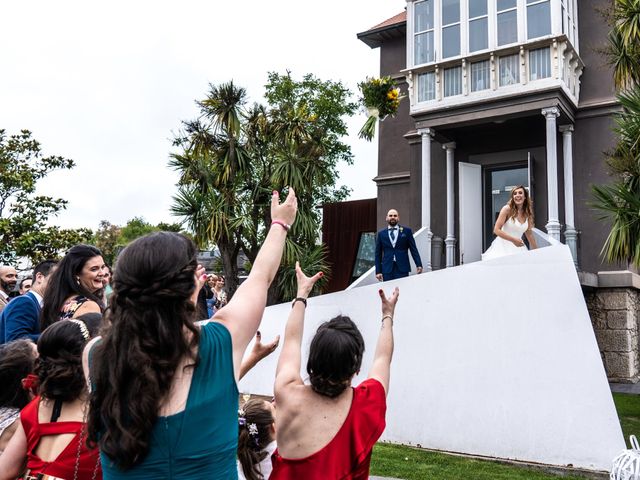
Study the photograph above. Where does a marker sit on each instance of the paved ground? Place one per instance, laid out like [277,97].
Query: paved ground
[625,388]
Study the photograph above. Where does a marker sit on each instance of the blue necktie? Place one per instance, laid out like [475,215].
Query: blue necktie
[393,234]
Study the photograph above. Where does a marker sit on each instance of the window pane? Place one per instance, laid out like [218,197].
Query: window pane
[507,27]
[451,41]
[423,15]
[538,20]
[365,258]
[477,8]
[450,11]
[424,48]
[452,81]
[539,63]
[509,70]
[478,34]
[426,86]
[504,4]
[480,76]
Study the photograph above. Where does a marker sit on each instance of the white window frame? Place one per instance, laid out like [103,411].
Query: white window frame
[434,30]
[518,23]
[471,84]
[551,19]
[469,19]
[462,37]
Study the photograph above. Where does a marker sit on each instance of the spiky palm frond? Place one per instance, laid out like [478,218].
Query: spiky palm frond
[312,260]
[224,107]
[621,205]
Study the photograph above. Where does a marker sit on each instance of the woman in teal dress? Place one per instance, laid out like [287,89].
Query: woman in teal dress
[164,401]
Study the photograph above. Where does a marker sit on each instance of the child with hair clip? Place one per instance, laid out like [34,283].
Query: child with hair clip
[256,439]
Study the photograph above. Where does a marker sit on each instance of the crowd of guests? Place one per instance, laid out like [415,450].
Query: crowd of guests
[114,375]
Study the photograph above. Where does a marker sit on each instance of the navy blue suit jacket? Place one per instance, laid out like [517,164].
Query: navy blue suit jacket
[385,252]
[20,319]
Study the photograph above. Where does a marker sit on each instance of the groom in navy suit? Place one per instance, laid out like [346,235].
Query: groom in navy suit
[392,250]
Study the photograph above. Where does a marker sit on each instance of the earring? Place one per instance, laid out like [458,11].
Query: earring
[78,280]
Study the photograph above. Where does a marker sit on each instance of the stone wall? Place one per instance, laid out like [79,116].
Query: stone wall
[615,315]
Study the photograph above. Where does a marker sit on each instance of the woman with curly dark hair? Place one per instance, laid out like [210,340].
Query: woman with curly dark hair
[17,360]
[326,430]
[75,287]
[52,434]
[165,399]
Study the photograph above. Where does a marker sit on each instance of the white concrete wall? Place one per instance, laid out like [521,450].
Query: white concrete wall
[494,358]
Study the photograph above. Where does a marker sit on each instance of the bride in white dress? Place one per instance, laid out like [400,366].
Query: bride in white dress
[515,220]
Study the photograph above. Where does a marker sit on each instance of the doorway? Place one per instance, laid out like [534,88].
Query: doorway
[498,183]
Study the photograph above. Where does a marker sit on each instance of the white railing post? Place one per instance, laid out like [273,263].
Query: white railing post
[450,240]
[427,135]
[570,233]
[553,224]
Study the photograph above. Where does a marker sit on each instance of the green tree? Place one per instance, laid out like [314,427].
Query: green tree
[23,214]
[106,239]
[234,156]
[619,202]
[111,239]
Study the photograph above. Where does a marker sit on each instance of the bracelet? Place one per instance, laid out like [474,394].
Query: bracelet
[389,317]
[299,299]
[282,224]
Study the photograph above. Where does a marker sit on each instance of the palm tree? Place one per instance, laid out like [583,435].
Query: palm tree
[620,201]
[234,156]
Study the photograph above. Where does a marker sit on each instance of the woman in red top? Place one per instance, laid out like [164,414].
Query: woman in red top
[52,435]
[327,430]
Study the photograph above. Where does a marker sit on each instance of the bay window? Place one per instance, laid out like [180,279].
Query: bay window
[509,67]
[424,49]
[507,21]
[452,81]
[480,79]
[426,86]
[450,28]
[478,25]
[538,18]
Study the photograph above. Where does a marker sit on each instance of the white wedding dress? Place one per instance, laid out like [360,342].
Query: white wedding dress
[501,247]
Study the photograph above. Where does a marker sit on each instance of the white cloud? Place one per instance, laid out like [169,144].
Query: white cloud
[106,84]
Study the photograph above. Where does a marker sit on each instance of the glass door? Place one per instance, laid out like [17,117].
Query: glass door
[498,185]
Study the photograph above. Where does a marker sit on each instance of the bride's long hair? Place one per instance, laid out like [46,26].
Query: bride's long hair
[527,206]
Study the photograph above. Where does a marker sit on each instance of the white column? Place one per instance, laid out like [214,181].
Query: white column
[553,224]
[427,135]
[570,233]
[450,240]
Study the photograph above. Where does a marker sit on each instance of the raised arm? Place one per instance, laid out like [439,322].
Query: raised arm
[381,367]
[243,313]
[257,353]
[288,370]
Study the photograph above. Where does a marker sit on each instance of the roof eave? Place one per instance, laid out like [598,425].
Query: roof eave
[375,38]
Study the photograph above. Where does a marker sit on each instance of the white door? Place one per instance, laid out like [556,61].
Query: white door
[470,195]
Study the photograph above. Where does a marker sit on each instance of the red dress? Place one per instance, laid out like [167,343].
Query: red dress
[64,464]
[348,455]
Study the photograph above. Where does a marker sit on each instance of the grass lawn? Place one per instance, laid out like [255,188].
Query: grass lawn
[414,464]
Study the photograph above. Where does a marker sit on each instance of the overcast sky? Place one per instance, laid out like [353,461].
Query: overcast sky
[107,84]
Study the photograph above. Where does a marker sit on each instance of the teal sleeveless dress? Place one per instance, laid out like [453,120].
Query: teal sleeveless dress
[201,441]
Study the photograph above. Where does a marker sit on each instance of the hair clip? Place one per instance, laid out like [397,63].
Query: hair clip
[253,429]
[83,328]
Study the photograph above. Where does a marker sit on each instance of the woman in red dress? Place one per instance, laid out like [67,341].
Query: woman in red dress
[52,435]
[327,430]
